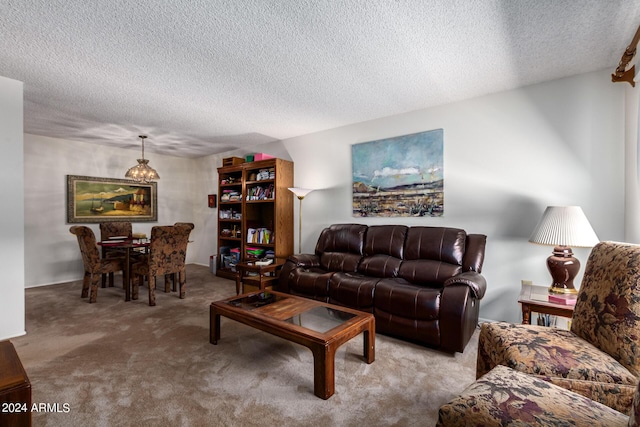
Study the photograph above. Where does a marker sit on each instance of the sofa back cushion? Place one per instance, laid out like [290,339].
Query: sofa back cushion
[383,249]
[340,247]
[433,254]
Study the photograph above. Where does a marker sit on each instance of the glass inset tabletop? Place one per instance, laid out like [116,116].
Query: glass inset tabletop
[254,301]
[318,318]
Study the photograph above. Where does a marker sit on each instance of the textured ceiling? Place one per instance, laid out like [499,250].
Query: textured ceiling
[206,76]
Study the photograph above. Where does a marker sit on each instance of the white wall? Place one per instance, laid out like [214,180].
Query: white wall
[12,222]
[632,163]
[506,157]
[51,252]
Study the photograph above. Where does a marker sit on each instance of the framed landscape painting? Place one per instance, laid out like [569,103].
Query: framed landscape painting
[400,176]
[93,200]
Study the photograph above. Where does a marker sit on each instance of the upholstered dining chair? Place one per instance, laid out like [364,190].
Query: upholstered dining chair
[94,266]
[599,357]
[171,279]
[167,252]
[113,229]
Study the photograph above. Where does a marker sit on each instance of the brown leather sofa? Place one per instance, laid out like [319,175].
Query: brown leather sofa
[422,284]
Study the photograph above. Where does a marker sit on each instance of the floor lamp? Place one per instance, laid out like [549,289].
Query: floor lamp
[300,193]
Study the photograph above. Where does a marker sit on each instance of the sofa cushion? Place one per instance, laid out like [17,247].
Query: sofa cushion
[385,240]
[406,310]
[340,246]
[400,298]
[428,272]
[352,290]
[309,282]
[506,397]
[339,261]
[346,238]
[435,243]
[379,266]
[432,255]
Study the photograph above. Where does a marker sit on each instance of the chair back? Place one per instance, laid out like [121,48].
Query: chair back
[607,312]
[168,249]
[88,247]
[115,228]
[185,224]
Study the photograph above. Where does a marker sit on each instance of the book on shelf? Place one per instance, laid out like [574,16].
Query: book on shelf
[261,193]
[563,299]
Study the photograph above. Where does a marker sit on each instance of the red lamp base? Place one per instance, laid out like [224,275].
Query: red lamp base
[563,268]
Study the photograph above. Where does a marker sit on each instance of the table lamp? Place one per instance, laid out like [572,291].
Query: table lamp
[300,193]
[562,227]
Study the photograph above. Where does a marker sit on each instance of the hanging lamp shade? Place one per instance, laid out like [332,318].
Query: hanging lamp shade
[142,172]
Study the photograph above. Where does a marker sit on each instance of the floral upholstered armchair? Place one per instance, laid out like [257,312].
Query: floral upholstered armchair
[599,357]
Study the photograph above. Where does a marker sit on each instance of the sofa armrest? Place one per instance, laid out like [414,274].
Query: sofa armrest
[475,281]
[305,260]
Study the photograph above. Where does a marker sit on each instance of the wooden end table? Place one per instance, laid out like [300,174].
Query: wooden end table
[15,389]
[545,307]
[263,275]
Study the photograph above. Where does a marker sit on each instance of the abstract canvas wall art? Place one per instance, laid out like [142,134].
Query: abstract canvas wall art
[400,176]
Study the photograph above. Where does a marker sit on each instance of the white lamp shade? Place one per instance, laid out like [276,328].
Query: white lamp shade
[300,192]
[564,226]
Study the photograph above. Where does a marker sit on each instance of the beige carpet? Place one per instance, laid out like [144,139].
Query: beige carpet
[119,363]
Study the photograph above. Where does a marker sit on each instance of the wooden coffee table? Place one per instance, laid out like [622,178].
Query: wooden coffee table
[318,326]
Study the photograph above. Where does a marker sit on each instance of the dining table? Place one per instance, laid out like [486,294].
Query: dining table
[127,246]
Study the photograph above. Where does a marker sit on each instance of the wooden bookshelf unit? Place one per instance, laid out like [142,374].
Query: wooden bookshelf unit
[255,212]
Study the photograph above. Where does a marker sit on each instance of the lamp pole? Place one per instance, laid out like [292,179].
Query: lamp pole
[300,193]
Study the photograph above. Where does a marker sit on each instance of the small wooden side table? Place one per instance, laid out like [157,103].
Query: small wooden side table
[263,275]
[529,305]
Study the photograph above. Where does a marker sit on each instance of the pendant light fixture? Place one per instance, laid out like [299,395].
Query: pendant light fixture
[142,172]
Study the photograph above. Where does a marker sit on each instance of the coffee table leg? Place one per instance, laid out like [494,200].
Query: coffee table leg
[323,371]
[238,280]
[214,326]
[370,344]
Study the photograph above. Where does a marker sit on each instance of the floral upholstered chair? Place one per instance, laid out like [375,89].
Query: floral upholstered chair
[113,229]
[505,397]
[599,357]
[167,252]
[170,280]
[94,266]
